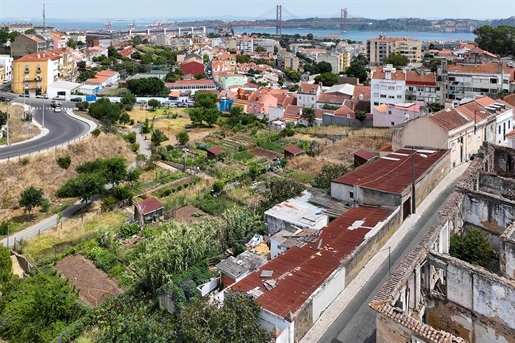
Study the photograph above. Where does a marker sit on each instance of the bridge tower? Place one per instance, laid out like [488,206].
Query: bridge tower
[343,20]
[279,20]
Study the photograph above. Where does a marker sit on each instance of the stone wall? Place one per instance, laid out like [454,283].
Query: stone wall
[363,253]
[303,320]
[497,185]
[504,161]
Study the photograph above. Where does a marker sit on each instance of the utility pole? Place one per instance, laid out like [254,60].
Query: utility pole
[7,125]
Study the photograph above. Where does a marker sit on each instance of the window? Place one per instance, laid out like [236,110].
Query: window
[391,88]
[389,112]
[499,129]
[351,195]
[384,96]
[392,123]
[376,86]
[399,96]
[470,138]
[383,86]
[399,88]
[509,124]
[376,95]
[453,146]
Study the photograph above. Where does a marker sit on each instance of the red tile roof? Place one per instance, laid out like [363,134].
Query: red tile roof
[215,150]
[307,88]
[294,150]
[148,205]
[448,119]
[301,270]
[361,90]
[393,173]
[485,68]
[511,134]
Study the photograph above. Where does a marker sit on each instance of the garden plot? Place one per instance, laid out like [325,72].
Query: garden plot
[94,285]
[190,214]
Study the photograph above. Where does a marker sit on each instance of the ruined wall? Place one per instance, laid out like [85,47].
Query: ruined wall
[491,213]
[464,323]
[507,253]
[504,161]
[497,185]
[388,331]
[479,305]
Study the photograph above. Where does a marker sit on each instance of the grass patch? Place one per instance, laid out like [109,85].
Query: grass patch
[214,206]
[72,232]
[299,176]
[243,156]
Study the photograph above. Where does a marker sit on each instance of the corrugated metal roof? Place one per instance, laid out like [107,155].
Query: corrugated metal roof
[149,205]
[364,154]
[393,173]
[302,269]
[215,149]
[294,150]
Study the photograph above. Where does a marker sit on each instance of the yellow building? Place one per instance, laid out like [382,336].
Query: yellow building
[379,48]
[32,73]
[339,61]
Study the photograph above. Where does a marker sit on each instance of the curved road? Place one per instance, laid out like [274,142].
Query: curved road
[62,129]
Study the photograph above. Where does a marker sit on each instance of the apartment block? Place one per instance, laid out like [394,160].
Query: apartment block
[287,60]
[32,73]
[379,48]
[339,61]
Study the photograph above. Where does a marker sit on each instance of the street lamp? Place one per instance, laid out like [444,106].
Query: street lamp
[8,221]
[413,179]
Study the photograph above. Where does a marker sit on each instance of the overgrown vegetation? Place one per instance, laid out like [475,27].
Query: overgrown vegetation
[472,247]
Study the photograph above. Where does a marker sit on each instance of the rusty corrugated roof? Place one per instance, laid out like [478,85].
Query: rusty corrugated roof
[301,270]
[393,173]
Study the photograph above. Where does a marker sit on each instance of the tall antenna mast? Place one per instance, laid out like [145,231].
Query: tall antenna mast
[44,18]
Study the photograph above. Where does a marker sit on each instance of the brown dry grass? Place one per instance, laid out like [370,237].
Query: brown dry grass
[139,114]
[309,165]
[20,130]
[42,171]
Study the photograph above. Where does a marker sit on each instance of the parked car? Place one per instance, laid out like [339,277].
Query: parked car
[24,95]
[3,99]
[57,109]
[42,96]
[76,99]
[59,97]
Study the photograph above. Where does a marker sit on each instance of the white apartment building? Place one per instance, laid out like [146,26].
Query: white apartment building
[6,61]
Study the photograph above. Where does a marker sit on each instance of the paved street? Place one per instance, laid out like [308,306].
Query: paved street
[349,319]
[60,128]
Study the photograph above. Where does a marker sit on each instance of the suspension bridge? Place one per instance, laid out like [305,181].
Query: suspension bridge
[288,20]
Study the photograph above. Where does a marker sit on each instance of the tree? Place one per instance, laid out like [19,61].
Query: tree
[158,137]
[205,58]
[30,198]
[234,321]
[83,186]
[182,137]
[146,126]
[153,103]
[128,100]
[280,190]
[309,36]
[361,60]
[327,79]
[293,75]
[361,116]
[397,60]
[434,107]
[472,247]
[3,118]
[499,40]
[259,48]
[211,116]
[357,70]
[105,110]
[114,170]
[309,115]
[82,106]
[71,43]
[327,175]
[6,263]
[84,75]
[324,67]
[151,86]
[125,118]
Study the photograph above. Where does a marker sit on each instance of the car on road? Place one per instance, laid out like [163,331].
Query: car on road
[55,103]
[57,109]
[76,99]
[59,97]
[24,95]
[4,99]
[42,96]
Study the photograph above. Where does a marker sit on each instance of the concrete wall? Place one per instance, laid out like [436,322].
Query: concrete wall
[330,119]
[268,321]
[303,320]
[507,253]
[419,132]
[504,161]
[490,213]
[325,295]
[363,253]
[479,306]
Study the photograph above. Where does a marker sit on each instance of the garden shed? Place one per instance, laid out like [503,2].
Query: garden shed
[148,210]
[213,152]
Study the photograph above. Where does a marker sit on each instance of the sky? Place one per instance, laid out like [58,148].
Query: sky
[253,9]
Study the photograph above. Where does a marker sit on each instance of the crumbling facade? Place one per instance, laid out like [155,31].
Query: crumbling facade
[434,297]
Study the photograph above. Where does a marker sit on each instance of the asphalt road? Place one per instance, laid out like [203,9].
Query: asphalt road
[62,129]
[357,323]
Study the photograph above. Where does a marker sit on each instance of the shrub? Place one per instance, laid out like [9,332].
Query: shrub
[96,132]
[64,162]
[45,205]
[218,186]
[108,204]
[101,258]
[134,147]
[25,160]
[3,227]
[127,230]
[130,137]
[122,193]
[472,247]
